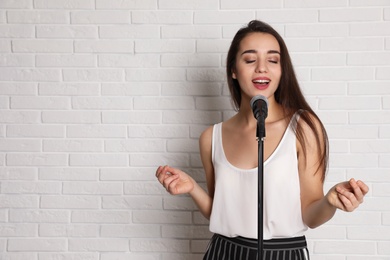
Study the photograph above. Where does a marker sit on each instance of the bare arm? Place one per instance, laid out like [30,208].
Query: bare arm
[176,181]
[318,208]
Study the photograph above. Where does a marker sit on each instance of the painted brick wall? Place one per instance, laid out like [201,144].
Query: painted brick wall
[94,94]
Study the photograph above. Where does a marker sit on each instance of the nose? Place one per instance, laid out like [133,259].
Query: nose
[261,66]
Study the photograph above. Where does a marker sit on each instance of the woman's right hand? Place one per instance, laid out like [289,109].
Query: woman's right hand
[174,180]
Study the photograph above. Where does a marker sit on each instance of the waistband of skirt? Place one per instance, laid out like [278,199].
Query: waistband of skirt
[271,244]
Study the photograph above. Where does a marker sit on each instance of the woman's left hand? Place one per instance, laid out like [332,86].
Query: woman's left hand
[347,195]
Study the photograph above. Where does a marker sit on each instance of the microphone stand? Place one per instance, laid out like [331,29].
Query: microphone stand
[260,133]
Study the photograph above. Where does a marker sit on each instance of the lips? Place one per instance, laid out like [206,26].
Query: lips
[261,82]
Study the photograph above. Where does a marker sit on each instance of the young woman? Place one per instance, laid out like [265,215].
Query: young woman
[295,159]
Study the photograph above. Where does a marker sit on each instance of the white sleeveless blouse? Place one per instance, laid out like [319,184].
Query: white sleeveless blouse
[234,211]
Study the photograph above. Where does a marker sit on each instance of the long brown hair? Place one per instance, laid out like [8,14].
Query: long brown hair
[288,93]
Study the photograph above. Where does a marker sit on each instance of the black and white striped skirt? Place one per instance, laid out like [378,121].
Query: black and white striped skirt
[240,248]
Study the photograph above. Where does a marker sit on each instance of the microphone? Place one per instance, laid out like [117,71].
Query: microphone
[259,106]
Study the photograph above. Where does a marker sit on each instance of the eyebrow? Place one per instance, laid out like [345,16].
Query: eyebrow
[255,51]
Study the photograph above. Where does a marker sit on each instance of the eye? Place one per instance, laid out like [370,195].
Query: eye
[250,61]
[274,61]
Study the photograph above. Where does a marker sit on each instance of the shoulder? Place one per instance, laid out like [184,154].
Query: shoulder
[205,138]
[310,124]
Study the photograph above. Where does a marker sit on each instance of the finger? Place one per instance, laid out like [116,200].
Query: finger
[346,204]
[168,181]
[363,187]
[162,174]
[172,187]
[356,190]
[348,195]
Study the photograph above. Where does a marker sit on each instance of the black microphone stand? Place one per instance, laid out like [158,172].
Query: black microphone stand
[260,133]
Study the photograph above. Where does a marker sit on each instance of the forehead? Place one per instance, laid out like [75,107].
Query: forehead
[260,42]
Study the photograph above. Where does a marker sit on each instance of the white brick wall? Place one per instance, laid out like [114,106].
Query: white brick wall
[94,94]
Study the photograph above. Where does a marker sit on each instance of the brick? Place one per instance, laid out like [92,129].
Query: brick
[126,231]
[65,60]
[125,89]
[16,5]
[96,131]
[15,60]
[113,217]
[70,201]
[17,31]
[38,17]
[68,89]
[20,174]
[191,89]
[159,245]
[101,245]
[351,44]
[133,117]
[132,202]
[36,159]
[18,230]
[69,4]
[285,16]
[182,231]
[190,32]
[134,145]
[147,159]
[71,145]
[162,217]
[251,4]
[69,256]
[344,247]
[36,131]
[19,201]
[104,46]
[39,216]
[102,103]
[71,117]
[126,4]
[97,188]
[67,31]
[371,3]
[5,45]
[170,103]
[158,131]
[100,17]
[102,160]
[350,15]
[343,73]
[315,4]
[370,29]
[185,60]
[40,103]
[129,32]
[91,75]
[164,46]
[161,17]
[12,187]
[316,30]
[188,5]
[13,74]
[69,174]
[213,103]
[129,61]
[382,73]
[352,132]
[350,103]
[156,74]
[37,244]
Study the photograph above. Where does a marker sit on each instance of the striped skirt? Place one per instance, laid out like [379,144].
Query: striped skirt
[239,248]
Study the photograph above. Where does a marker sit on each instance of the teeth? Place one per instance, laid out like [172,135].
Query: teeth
[261,81]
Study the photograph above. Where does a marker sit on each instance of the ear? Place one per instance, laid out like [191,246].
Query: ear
[234,76]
